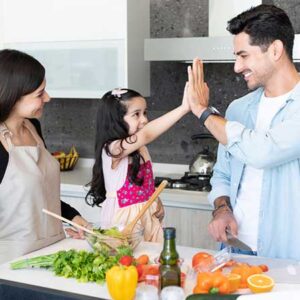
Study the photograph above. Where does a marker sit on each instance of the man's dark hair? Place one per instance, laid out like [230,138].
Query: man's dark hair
[265,24]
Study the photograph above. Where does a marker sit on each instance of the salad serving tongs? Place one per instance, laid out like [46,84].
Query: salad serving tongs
[107,239]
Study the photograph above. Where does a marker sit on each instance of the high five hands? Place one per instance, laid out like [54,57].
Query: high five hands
[198,91]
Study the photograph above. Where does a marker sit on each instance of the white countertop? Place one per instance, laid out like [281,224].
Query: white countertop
[45,278]
[73,185]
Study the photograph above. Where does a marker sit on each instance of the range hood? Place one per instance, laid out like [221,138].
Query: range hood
[216,48]
[209,49]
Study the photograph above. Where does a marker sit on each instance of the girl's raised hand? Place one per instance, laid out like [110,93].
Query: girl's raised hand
[185,102]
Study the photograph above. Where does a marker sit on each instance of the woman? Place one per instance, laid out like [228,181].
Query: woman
[29,175]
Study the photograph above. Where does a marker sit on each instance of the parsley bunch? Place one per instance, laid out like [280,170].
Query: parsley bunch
[83,265]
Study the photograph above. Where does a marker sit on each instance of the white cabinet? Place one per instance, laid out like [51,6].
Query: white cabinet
[86,46]
[191,226]
[64,20]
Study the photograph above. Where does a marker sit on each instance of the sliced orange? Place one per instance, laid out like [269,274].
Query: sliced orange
[234,281]
[244,271]
[260,283]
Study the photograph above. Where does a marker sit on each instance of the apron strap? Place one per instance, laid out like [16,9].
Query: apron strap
[6,134]
[111,194]
[32,130]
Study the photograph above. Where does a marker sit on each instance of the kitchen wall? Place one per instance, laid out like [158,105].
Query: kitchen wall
[69,122]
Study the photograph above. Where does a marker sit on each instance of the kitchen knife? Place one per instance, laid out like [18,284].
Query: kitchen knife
[235,242]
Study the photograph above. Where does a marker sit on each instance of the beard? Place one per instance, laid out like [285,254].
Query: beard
[254,86]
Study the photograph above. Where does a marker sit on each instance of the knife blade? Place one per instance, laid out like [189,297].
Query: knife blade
[235,242]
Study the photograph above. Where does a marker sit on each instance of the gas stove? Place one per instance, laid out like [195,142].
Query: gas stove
[190,182]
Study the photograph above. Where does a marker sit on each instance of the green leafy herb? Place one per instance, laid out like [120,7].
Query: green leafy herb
[82,265]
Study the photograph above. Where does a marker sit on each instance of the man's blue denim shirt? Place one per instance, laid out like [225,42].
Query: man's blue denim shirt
[277,152]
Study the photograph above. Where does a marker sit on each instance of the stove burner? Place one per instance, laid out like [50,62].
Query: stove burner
[179,185]
[190,181]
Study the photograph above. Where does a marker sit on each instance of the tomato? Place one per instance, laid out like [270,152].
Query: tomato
[147,270]
[140,271]
[142,260]
[264,268]
[182,279]
[151,269]
[126,260]
[202,259]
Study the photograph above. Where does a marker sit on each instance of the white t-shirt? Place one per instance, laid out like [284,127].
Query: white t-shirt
[246,210]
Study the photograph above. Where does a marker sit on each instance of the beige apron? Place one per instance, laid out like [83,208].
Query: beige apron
[31,182]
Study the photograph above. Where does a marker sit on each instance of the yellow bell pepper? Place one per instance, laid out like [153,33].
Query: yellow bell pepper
[121,282]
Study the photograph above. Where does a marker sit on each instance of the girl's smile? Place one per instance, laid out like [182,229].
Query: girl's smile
[136,116]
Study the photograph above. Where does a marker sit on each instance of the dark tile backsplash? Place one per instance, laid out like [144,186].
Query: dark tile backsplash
[68,122]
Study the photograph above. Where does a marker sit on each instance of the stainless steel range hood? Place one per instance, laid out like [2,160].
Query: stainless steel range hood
[216,48]
[209,49]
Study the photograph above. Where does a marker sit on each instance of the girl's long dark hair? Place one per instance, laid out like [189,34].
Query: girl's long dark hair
[110,127]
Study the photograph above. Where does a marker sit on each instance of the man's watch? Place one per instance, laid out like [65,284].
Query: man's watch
[210,110]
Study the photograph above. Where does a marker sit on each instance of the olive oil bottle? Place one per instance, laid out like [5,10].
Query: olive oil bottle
[169,269]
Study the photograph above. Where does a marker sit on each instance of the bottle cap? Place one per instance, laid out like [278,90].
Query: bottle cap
[169,233]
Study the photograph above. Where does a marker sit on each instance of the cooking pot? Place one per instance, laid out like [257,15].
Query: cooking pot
[204,161]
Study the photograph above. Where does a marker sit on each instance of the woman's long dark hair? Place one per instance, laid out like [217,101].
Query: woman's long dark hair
[110,127]
[20,75]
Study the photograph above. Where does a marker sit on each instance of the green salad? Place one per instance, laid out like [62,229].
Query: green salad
[107,239]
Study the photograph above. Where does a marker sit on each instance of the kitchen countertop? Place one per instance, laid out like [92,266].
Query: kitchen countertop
[45,278]
[73,185]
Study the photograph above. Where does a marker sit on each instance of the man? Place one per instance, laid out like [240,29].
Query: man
[256,180]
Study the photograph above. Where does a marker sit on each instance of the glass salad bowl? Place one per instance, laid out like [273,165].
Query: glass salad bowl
[109,237]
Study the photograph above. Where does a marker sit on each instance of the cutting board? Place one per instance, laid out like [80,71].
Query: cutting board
[281,270]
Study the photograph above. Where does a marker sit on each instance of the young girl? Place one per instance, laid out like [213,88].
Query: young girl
[122,174]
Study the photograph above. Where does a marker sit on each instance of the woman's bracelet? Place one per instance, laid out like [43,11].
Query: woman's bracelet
[221,208]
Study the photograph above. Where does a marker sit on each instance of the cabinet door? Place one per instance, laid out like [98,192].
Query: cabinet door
[86,46]
[63,20]
[79,69]
[91,214]
[191,226]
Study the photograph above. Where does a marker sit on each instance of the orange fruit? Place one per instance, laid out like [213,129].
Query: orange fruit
[260,283]
[198,290]
[255,270]
[244,271]
[234,281]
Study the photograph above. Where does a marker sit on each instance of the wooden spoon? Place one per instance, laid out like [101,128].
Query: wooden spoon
[129,227]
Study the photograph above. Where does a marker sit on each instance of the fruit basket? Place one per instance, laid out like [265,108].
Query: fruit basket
[111,237]
[67,161]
